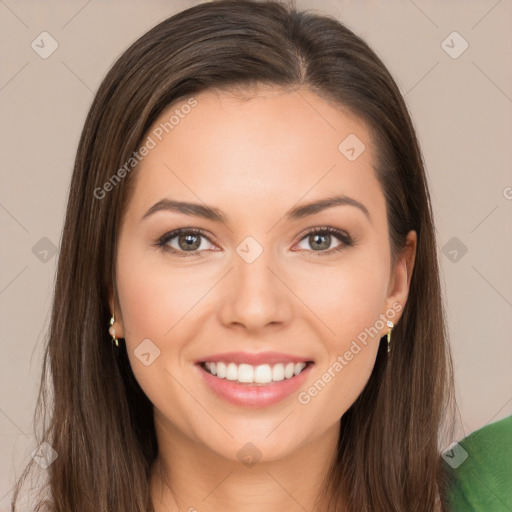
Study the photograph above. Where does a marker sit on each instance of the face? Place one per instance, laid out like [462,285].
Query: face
[253,279]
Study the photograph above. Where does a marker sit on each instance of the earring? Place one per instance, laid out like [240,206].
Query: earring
[112,331]
[390,325]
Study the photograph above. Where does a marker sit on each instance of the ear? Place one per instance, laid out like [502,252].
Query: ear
[400,281]
[116,309]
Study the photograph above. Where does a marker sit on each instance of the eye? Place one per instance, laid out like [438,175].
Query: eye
[320,239]
[183,241]
[192,241]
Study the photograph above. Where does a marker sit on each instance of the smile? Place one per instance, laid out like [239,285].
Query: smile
[246,385]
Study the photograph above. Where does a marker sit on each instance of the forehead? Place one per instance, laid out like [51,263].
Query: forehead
[252,149]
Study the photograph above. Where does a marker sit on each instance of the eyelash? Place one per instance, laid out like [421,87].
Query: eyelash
[345,238]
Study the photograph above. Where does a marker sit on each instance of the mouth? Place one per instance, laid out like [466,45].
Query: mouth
[270,379]
[252,375]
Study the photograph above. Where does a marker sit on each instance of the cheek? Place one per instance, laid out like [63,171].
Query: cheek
[347,296]
[154,297]
[358,307]
[349,299]
[142,302]
[151,307]
[159,302]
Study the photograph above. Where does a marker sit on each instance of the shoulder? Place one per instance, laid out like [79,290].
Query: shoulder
[479,469]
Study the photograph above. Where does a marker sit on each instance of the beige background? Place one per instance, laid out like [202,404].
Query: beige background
[460,106]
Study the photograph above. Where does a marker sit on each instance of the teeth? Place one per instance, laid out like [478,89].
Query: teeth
[262,374]
[231,372]
[298,368]
[221,370]
[278,372]
[211,367]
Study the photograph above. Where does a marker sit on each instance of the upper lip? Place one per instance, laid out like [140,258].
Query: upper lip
[254,358]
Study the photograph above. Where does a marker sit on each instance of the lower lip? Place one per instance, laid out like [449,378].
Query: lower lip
[246,395]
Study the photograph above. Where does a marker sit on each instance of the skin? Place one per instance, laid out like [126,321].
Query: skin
[254,158]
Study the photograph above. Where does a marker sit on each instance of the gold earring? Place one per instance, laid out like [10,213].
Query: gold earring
[112,331]
[390,325]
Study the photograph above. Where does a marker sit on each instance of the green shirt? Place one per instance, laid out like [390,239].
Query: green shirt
[480,470]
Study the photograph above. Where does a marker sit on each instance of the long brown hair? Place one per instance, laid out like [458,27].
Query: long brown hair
[92,410]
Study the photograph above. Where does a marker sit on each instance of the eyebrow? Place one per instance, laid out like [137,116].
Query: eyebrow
[214,214]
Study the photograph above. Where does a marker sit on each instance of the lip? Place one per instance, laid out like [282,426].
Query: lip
[254,358]
[247,395]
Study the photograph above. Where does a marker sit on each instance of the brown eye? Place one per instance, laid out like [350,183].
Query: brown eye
[320,240]
[189,242]
[182,241]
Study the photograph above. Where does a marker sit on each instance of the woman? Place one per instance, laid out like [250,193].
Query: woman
[247,313]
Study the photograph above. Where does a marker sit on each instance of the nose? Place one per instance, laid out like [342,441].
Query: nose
[254,296]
